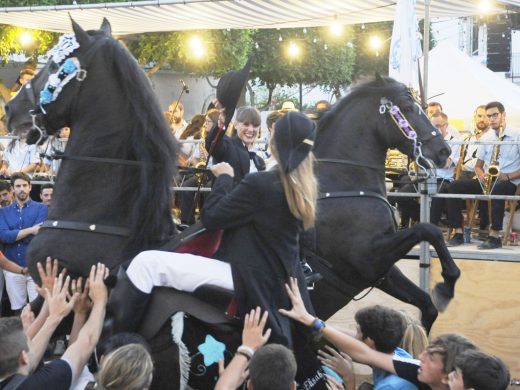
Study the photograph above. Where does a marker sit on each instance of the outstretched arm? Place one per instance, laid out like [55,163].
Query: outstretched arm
[79,352]
[357,350]
[253,337]
[59,308]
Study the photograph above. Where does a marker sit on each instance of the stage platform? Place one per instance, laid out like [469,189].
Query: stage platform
[486,307]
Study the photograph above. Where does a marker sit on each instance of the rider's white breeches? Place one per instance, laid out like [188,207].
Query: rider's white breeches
[181,271]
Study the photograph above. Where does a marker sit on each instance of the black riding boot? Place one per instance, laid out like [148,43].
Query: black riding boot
[126,304]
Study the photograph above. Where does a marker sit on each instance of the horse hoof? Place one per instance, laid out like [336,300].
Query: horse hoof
[441,297]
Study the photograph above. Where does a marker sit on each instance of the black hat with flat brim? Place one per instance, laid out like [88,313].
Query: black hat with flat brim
[294,136]
[229,89]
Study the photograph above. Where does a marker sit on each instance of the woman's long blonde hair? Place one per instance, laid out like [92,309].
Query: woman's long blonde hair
[300,187]
[129,367]
[415,338]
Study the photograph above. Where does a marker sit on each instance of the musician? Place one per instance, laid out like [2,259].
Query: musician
[176,118]
[466,166]
[19,156]
[261,218]
[508,161]
[433,108]
[469,158]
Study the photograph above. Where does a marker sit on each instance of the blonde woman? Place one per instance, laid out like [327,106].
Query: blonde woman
[127,368]
[261,218]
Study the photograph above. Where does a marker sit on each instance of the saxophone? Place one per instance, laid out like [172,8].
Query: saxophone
[493,169]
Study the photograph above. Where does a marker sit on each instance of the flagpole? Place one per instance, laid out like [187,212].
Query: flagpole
[426,46]
[424,254]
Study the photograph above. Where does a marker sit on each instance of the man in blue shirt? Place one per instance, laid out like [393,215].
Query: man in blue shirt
[19,222]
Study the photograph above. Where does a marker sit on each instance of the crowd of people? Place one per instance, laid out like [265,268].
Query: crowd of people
[263,197]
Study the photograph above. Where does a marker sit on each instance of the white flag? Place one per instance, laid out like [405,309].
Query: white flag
[405,48]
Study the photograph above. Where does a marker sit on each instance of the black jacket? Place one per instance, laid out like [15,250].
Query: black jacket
[233,151]
[260,241]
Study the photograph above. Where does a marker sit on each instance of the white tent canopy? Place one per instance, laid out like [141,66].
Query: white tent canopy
[463,84]
[170,15]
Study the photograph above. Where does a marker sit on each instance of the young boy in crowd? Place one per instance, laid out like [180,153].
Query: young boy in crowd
[476,370]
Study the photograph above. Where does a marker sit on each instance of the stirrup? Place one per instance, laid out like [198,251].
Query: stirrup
[311,277]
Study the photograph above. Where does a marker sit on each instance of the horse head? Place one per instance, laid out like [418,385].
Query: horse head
[119,159]
[47,101]
[406,125]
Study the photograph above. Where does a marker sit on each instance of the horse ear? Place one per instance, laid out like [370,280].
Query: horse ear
[81,35]
[379,79]
[106,28]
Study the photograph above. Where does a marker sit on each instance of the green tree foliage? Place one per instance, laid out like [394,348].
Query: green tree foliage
[322,60]
[11,41]
[222,50]
[368,60]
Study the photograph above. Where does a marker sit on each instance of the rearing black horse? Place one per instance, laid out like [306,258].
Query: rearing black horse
[355,228]
[113,188]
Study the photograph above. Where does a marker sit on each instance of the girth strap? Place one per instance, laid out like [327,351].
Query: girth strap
[359,194]
[353,194]
[133,163]
[350,162]
[86,227]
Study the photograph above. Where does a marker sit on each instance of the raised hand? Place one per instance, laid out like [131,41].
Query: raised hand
[59,307]
[339,362]
[97,288]
[27,317]
[83,303]
[253,335]
[48,275]
[298,311]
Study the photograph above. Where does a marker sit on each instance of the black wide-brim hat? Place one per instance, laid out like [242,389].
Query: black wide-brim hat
[229,89]
[294,136]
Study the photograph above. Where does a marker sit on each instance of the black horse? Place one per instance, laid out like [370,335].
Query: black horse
[356,229]
[112,194]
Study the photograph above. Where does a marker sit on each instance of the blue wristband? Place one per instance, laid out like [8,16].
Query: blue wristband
[318,325]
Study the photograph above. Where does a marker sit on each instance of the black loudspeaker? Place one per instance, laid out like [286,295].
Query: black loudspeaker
[499,46]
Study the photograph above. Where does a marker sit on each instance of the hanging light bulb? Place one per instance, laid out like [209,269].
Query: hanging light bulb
[293,50]
[335,29]
[280,39]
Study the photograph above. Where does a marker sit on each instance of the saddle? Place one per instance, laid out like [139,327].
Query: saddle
[210,304]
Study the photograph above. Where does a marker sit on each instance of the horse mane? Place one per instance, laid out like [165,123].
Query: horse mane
[377,88]
[152,144]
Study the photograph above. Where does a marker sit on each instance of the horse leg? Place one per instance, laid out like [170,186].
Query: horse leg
[396,284]
[396,246]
